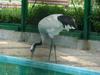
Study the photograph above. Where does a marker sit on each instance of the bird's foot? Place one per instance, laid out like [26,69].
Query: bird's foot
[32,49]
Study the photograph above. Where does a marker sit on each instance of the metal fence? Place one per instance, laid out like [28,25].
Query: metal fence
[86,32]
[62,2]
[13,4]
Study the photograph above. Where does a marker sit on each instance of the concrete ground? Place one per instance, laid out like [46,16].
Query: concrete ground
[74,57]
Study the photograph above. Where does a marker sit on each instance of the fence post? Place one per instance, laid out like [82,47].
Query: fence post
[86,27]
[24,14]
[87,14]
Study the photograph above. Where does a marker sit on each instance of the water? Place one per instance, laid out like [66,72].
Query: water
[12,69]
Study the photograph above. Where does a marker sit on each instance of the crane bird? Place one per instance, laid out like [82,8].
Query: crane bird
[51,26]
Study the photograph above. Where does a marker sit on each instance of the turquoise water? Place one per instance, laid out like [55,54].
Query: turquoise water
[21,66]
[12,69]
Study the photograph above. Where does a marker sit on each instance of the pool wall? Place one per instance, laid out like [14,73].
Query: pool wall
[48,66]
[67,41]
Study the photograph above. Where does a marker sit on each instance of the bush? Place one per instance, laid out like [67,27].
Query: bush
[41,11]
[95,20]
[10,15]
[38,13]
[97,26]
[78,14]
[98,2]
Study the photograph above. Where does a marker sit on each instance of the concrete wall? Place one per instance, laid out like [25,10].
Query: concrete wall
[66,41]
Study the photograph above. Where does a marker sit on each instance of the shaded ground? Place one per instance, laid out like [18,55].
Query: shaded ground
[74,57]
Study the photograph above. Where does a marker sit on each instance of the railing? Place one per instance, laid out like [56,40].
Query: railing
[62,2]
[13,4]
[86,34]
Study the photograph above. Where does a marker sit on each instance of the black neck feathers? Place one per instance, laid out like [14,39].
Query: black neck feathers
[66,20]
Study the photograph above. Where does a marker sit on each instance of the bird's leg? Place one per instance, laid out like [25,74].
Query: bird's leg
[55,53]
[34,46]
[33,49]
[51,44]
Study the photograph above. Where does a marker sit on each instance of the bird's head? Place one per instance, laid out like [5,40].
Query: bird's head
[71,25]
[68,22]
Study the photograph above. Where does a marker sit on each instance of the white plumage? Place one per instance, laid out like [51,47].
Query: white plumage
[51,26]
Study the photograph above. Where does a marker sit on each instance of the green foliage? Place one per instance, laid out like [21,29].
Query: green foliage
[10,15]
[13,15]
[97,26]
[95,20]
[78,14]
[98,2]
[41,11]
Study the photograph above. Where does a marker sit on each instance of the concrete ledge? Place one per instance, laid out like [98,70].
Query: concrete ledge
[66,41]
[9,35]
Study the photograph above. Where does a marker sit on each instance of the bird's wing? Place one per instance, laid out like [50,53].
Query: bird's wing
[54,31]
[51,32]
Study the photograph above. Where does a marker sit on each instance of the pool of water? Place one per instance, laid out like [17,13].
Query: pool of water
[19,66]
[12,69]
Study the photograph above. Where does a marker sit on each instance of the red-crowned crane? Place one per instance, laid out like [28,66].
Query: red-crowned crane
[51,26]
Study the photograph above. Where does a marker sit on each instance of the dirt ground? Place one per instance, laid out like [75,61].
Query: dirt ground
[74,57]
